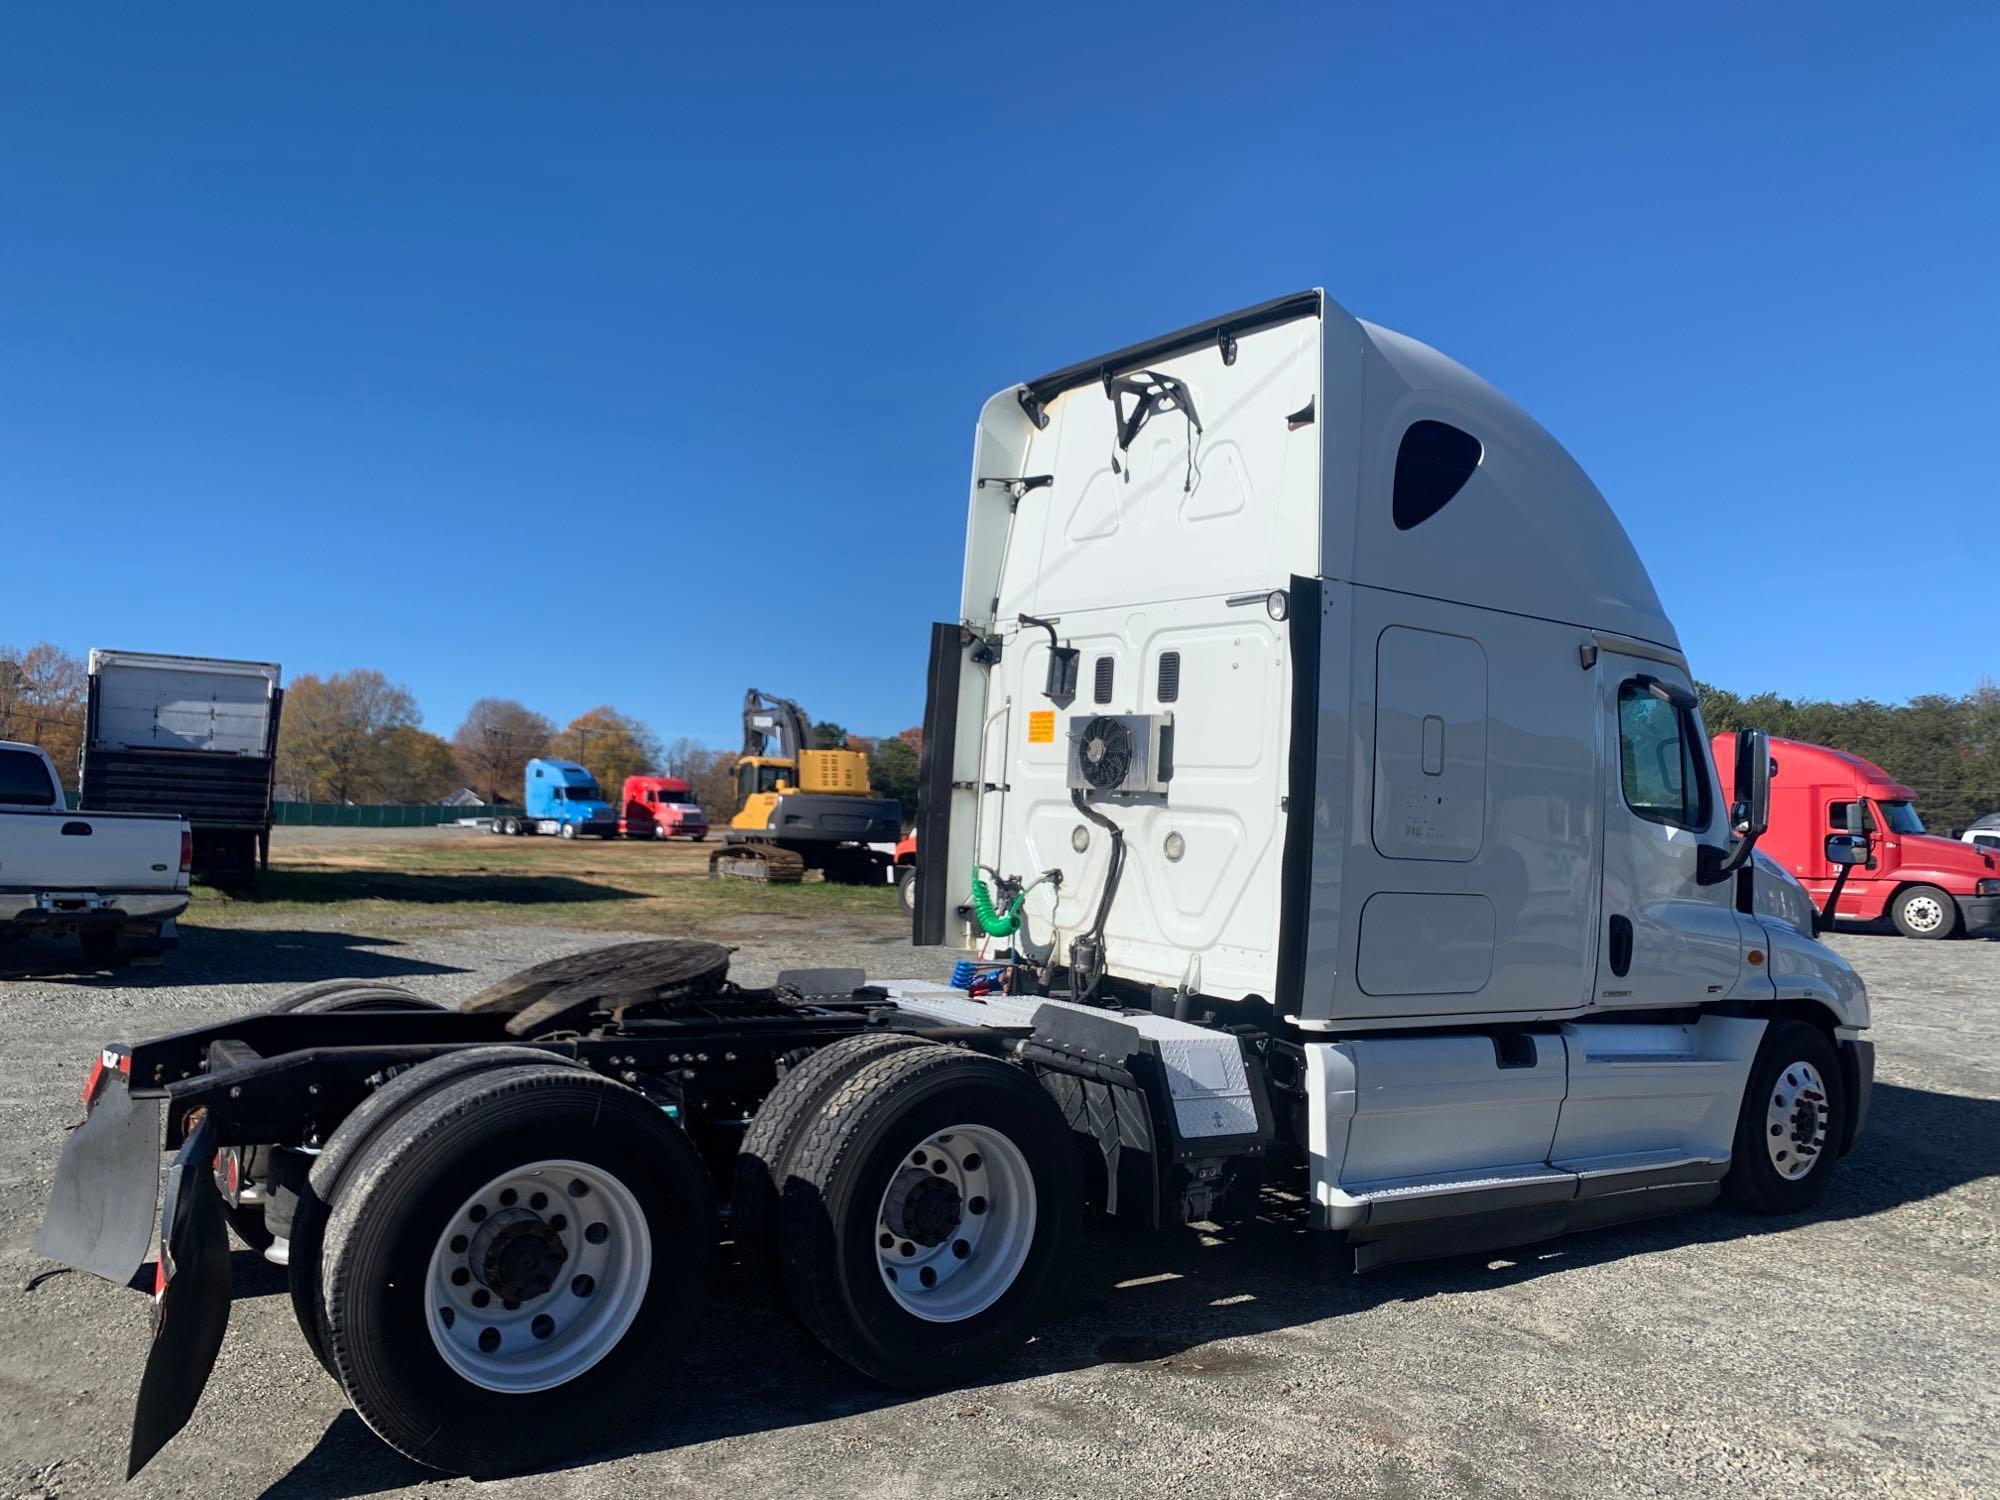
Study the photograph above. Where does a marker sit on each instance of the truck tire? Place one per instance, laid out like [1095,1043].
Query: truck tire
[567,830]
[253,1162]
[512,1262]
[929,1214]
[1924,911]
[344,1147]
[760,1160]
[906,887]
[348,995]
[1789,1129]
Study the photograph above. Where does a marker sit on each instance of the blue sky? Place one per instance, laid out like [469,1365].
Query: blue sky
[622,354]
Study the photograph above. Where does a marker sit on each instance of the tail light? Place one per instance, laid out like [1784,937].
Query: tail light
[187,849]
[114,1059]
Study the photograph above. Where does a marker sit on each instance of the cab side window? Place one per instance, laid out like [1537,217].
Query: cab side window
[1850,817]
[1661,760]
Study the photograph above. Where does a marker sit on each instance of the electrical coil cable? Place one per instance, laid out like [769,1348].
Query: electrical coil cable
[1094,938]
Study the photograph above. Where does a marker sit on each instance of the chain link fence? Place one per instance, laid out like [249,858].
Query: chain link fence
[377,815]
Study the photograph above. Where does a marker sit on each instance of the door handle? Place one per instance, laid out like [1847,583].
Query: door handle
[76,830]
[1621,946]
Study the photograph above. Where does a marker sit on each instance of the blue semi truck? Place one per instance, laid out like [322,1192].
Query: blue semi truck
[562,798]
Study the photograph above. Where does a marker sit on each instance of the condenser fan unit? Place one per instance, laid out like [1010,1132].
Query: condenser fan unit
[1105,754]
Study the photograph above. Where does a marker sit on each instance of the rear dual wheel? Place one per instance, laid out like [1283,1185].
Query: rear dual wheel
[928,1204]
[510,1260]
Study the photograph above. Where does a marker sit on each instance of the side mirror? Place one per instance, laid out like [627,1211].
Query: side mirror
[1751,816]
[1847,849]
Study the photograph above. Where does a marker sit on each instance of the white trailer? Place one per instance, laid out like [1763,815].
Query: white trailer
[1343,811]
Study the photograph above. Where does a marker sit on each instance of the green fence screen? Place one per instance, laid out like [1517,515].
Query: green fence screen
[374,815]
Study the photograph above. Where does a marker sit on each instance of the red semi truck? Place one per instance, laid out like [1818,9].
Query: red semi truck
[1930,887]
[660,807]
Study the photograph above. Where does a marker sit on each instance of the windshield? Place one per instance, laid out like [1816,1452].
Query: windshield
[1901,817]
[24,780]
[588,792]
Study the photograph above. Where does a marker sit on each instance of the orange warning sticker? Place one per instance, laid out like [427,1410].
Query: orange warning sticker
[1042,727]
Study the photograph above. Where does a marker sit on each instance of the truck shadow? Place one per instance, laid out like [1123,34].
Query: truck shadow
[334,887]
[1170,1301]
[227,955]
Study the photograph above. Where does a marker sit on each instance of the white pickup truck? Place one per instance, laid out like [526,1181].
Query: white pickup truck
[117,880]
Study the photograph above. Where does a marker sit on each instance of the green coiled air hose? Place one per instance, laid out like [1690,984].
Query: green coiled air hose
[995,924]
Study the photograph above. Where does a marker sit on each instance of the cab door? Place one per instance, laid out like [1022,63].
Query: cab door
[1668,939]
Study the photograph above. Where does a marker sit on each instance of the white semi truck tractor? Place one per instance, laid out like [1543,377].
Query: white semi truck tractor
[1314,770]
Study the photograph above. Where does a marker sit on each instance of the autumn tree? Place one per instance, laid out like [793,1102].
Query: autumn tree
[412,765]
[495,743]
[609,744]
[892,771]
[710,775]
[42,695]
[331,738]
[1946,749]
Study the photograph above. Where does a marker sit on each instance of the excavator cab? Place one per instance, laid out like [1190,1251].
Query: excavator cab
[760,782]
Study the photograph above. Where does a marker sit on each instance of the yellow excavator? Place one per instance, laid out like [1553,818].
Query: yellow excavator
[798,808]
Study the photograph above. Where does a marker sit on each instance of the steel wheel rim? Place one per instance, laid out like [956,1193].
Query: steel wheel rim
[1795,1121]
[594,1291]
[955,1223]
[1923,913]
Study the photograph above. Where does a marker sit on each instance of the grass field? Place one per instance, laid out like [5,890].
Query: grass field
[435,879]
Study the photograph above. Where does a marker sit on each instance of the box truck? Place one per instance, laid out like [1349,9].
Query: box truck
[194,736]
[1313,759]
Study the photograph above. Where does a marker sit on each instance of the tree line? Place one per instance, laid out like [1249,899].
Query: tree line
[356,736]
[1945,749]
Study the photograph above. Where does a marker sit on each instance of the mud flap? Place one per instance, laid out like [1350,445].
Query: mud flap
[100,1214]
[190,1300]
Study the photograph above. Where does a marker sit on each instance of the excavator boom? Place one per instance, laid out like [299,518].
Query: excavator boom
[774,727]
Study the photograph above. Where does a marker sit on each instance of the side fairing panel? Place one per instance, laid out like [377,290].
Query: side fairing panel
[1457,814]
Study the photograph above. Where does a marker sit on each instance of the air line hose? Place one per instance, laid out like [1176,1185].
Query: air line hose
[994,924]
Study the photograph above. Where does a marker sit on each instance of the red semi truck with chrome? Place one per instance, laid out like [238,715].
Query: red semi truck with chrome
[660,807]
[1929,887]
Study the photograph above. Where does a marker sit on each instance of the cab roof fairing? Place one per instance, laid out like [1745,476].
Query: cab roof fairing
[1529,534]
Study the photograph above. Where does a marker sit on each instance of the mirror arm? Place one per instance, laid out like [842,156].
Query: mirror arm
[1823,918]
[1716,865]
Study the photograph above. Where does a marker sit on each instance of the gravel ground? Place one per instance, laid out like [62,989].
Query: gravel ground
[1849,1352]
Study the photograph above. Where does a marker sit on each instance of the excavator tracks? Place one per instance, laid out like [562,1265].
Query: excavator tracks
[765,862]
